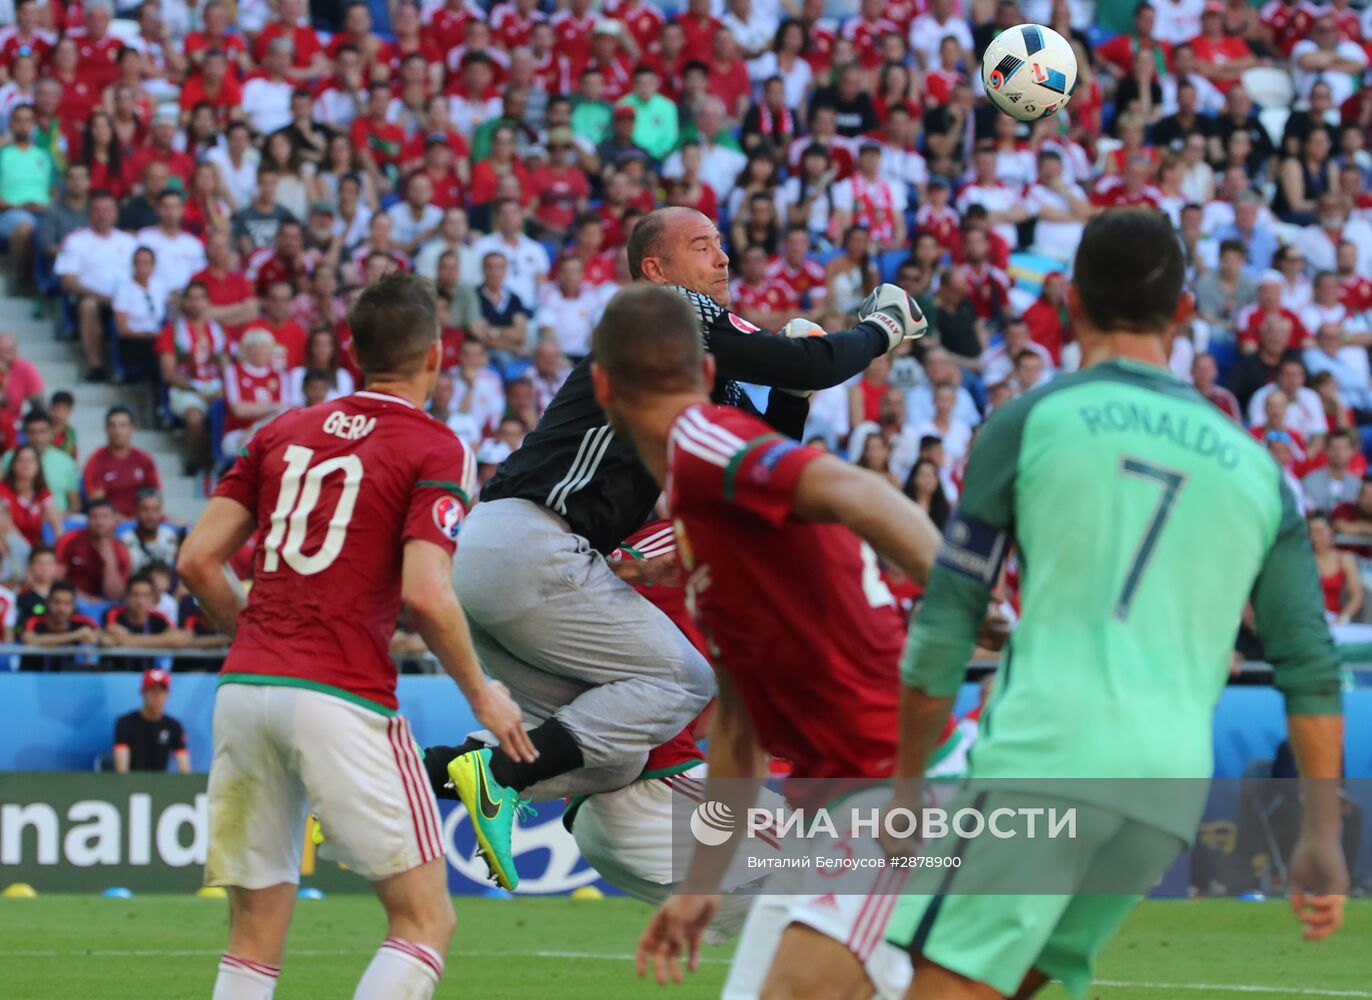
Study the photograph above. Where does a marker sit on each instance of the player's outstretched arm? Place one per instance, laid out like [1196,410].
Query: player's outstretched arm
[887,317]
[202,562]
[1289,616]
[830,489]
[427,590]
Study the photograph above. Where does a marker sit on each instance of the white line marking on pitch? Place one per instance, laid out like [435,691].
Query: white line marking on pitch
[1234,988]
[614,957]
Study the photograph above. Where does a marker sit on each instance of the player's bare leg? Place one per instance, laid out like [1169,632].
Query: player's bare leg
[1034,980]
[809,965]
[934,982]
[258,920]
[420,927]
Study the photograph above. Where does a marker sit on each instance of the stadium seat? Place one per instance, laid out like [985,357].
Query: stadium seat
[890,262]
[1274,121]
[1269,87]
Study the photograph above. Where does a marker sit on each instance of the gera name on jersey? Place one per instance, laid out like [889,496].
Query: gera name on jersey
[573,465]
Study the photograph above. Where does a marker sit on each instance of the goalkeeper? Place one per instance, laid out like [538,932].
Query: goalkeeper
[605,676]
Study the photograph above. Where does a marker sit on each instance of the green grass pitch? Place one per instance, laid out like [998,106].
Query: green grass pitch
[164,948]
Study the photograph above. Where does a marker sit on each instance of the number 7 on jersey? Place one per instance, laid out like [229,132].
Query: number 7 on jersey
[1172,483]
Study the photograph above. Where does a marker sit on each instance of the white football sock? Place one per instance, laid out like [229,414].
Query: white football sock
[400,970]
[244,979]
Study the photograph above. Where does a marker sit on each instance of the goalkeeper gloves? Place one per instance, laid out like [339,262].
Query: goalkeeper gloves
[894,310]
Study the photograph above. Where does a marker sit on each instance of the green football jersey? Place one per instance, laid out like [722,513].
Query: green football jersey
[1143,520]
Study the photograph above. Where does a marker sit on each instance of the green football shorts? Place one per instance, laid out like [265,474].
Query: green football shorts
[974,923]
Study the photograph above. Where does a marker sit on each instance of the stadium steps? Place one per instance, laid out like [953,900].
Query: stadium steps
[59,364]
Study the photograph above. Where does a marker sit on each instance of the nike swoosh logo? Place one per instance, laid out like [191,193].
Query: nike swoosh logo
[489,809]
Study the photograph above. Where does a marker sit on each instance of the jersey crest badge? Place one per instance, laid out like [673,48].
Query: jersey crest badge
[448,516]
[742,325]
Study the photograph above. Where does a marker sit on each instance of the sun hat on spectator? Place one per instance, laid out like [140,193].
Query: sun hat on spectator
[1271,277]
[435,139]
[625,112]
[156,678]
[1212,7]
[609,26]
[559,136]
[321,207]
[535,153]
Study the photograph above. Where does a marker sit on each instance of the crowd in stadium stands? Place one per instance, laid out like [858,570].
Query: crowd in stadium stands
[204,189]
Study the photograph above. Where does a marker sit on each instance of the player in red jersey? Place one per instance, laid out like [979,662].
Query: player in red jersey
[804,636]
[359,503]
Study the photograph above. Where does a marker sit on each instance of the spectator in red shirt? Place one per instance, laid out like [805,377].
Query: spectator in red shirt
[759,299]
[573,25]
[98,50]
[116,472]
[285,260]
[92,558]
[308,61]
[560,186]
[357,30]
[1118,52]
[213,86]
[729,74]
[502,161]
[376,138]
[1252,320]
[214,37]
[1049,325]
[1220,57]
[1205,375]
[159,147]
[26,34]
[699,28]
[611,49]
[24,493]
[232,300]
[22,383]
[276,319]
[190,352]
[79,95]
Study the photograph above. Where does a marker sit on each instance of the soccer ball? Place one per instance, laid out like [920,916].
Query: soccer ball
[1029,71]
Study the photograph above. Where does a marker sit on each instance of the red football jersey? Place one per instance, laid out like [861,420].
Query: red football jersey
[795,612]
[246,384]
[337,490]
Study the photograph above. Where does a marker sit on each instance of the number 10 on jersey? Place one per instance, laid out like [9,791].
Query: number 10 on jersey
[300,489]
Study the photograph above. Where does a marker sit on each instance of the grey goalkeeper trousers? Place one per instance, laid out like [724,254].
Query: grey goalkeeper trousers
[570,639]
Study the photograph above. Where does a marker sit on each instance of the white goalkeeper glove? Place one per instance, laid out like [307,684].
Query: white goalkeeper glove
[894,310]
[801,328]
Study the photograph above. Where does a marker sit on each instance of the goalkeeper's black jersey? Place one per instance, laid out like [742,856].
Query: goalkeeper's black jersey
[573,464]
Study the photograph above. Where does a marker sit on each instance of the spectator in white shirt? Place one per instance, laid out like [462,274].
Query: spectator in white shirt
[1004,205]
[569,308]
[938,369]
[999,363]
[928,31]
[140,310]
[1346,362]
[528,261]
[416,218]
[451,237]
[785,60]
[179,254]
[237,162]
[1324,56]
[719,165]
[267,98]
[477,390]
[1177,21]
[751,27]
[91,264]
[550,370]
[1062,209]
[944,425]
[1304,412]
